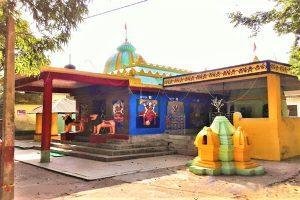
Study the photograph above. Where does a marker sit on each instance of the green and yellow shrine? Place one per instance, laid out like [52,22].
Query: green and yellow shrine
[223,149]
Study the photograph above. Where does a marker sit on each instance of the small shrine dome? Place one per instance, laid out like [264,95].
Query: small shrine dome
[69,66]
[126,57]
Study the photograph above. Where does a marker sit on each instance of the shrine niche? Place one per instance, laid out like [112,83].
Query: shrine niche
[147,113]
[99,108]
[175,115]
[197,115]
[118,113]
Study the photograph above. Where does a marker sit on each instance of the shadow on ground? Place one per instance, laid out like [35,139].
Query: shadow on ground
[32,182]
[281,180]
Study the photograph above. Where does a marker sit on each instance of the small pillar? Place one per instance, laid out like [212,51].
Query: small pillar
[237,116]
[242,159]
[242,150]
[208,145]
[208,148]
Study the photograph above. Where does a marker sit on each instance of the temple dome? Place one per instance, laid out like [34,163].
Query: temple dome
[125,57]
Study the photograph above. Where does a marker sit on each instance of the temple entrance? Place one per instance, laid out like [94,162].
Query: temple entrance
[99,108]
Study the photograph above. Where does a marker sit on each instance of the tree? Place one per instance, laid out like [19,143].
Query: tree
[285,16]
[29,58]
[295,59]
[55,20]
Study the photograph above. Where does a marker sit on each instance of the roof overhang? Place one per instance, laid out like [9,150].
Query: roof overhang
[243,70]
[66,80]
[240,77]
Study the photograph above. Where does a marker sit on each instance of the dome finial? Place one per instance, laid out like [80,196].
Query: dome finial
[255,58]
[126,39]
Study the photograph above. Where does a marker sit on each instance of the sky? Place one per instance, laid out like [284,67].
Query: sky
[190,34]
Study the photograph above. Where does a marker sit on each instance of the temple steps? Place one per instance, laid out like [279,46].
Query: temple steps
[112,151]
[111,144]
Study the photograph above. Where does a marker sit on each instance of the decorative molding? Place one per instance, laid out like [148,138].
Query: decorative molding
[132,72]
[150,74]
[217,74]
[135,82]
[158,67]
[167,68]
[279,68]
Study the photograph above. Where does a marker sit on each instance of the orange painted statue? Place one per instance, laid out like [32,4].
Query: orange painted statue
[69,122]
[98,124]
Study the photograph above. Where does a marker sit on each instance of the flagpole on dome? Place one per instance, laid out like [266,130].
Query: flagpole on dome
[70,65]
[126,39]
[255,58]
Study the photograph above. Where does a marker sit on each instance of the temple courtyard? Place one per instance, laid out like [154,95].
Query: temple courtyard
[151,180]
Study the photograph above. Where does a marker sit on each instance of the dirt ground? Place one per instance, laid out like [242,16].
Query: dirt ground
[281,182]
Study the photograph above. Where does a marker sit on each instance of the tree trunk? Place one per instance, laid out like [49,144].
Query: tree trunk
[7,156]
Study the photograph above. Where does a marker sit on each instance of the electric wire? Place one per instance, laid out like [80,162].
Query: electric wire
[115,9]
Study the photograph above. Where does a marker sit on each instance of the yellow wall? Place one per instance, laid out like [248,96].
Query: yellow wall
[289,135]
[276,137]
[263,138]
[38,126]
[25,122]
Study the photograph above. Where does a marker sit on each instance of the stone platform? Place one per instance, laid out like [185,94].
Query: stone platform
[93,170]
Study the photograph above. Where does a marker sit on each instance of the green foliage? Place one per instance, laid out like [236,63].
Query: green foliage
[285,16]
[29,59]
[295,60]
[54,19]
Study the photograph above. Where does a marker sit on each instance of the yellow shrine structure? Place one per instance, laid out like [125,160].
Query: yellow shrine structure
[223,149]
[256,90]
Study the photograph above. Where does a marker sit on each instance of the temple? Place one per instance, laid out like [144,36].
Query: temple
[134,98]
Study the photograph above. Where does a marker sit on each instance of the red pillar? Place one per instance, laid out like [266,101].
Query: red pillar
[47,118]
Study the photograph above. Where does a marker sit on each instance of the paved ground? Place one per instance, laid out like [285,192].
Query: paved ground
[282,181]
[27,144]
[93,170]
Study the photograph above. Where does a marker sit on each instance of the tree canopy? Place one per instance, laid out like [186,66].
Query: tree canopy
[285,17]
[29,59]
[54,21]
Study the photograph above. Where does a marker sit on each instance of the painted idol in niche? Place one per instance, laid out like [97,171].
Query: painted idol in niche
[149,115]
[118,112]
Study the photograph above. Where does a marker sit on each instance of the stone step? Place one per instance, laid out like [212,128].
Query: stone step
[117,145]
[133,145]
[107,158]
[109,151]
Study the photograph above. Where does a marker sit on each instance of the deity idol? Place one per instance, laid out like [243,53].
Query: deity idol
[149,115]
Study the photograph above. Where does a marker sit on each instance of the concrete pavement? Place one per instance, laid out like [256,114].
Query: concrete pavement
[93,170]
